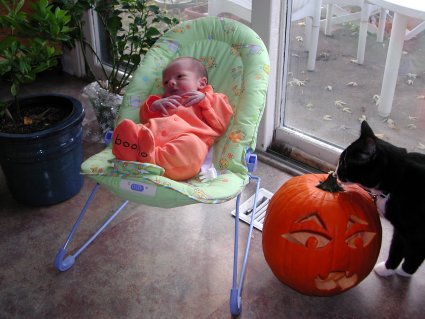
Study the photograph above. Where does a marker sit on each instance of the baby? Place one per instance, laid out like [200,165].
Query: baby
[179,127]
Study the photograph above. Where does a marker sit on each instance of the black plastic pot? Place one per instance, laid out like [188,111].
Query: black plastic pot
[43,168]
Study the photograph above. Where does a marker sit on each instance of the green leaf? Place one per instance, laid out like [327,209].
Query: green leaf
[153,8]
[8,42]
[19,5]
[14,89]
[135,59]
[152,32]
[114,24]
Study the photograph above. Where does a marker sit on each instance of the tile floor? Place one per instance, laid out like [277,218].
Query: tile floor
[158,263]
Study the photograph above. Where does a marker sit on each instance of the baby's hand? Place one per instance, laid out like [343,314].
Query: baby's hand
[162,105]
[192,97]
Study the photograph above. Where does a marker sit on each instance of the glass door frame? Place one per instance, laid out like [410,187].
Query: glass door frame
[278,132]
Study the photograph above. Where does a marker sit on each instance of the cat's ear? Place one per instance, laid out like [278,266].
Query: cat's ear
[370,146]
[366,131]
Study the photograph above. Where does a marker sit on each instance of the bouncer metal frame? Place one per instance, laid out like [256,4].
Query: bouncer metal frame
[63,262]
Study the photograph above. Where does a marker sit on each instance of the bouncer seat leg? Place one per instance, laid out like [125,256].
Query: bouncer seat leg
[62,262]
[236,291]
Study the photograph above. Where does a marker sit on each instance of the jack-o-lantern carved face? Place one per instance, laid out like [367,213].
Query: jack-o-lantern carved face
[321,245]
[312,233]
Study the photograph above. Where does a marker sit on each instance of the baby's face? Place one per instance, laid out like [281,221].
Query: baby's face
[180,78]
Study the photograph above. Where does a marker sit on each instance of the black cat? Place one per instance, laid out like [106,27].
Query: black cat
[398,179]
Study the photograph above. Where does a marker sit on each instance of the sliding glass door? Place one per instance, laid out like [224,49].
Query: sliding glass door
[325,101]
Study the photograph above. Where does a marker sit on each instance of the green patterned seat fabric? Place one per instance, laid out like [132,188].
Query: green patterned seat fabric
[238,66]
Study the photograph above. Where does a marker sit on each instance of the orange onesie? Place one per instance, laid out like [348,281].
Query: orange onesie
[178,142]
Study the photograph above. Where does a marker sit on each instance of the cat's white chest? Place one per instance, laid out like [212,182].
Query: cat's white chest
[381,200]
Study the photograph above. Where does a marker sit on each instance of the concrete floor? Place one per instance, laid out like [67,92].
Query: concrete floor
[313,109]
[159,263]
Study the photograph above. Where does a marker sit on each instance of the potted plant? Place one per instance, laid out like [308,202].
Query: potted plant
[130,28]
[40,136]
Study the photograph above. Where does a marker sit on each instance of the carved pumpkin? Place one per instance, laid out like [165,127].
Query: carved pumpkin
[319,238]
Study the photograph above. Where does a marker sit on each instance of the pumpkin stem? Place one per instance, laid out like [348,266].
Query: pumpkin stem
[331,184]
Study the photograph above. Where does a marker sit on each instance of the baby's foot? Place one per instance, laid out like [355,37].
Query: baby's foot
[146,145]
[125,141]
[382,270]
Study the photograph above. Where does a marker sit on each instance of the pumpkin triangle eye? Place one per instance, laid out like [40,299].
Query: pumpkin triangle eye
[314,217]
[307,239]
[360,239]
[355,220]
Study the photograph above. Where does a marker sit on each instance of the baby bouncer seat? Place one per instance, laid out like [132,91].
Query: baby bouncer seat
[238,66]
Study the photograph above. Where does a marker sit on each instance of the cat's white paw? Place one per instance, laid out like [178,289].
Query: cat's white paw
[401,272]
[383,271]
